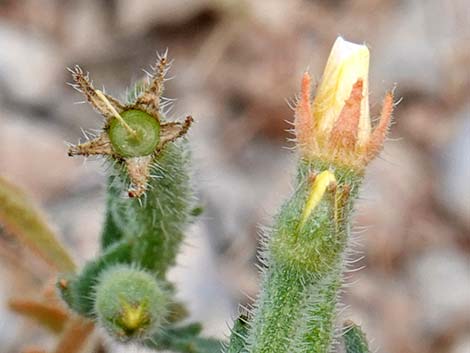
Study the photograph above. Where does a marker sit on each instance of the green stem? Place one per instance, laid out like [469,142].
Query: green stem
[111,233]
[296,312]
[296,309]
[156,221]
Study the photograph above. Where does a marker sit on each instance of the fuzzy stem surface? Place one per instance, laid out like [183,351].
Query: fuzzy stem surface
[296,309]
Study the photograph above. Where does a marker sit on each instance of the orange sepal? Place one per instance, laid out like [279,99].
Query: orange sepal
[303,114]
[377,137]
[344,133]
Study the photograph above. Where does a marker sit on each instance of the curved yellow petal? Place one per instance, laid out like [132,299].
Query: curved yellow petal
[347,63]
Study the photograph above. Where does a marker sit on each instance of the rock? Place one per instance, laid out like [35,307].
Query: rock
[414,45]
[9,323]
[79,220]
[139,16]
[385,310]
[424,124]
[462,345]
[16,330]
[441,280]
[34,155]
[30,65]
[454,191]
[199,284]
[395,184]
[86,31]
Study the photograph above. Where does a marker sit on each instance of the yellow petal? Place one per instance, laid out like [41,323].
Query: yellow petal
[347,63]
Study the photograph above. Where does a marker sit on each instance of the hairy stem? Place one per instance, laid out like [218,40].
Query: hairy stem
[297,306]
[157,221]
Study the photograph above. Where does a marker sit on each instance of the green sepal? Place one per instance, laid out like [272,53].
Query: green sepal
[177,311]
[63,285]
[238,335]
[355,340]
[318,245]
[197,211]
[184,339]
[80,290]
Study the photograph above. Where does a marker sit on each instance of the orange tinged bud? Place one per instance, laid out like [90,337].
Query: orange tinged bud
[336,126]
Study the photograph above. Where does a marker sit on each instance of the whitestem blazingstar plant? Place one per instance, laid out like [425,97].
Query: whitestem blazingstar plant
[304,253]
[150,201]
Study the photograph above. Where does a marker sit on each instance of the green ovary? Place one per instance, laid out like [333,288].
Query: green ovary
[145,139]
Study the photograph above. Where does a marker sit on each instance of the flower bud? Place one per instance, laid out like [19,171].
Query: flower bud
[130,303]
[336,126]
[348,62]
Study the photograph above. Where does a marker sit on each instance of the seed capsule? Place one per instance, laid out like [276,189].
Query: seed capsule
[142,140]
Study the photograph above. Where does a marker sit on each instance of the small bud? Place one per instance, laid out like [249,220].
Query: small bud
[336,126]
[130,303]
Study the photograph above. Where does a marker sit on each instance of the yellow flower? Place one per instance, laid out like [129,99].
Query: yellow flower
[336,127]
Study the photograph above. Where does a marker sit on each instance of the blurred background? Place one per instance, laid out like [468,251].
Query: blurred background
[237,64]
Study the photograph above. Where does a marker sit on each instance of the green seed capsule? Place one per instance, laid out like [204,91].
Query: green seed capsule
[139,138]
[130,303]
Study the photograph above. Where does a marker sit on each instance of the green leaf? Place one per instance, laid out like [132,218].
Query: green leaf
[77,291]
[238,335]
[355,340]
[111,233]
[22,219]
[184,339]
